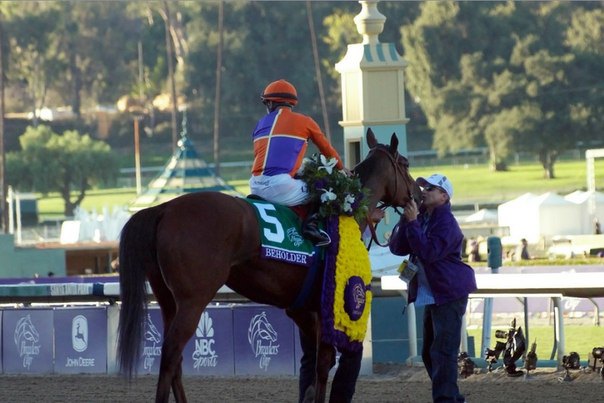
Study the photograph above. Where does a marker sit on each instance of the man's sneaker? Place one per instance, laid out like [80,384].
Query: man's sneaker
[514,373]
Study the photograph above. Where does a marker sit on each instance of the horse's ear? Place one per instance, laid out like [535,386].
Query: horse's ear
[371,141]
[393,143]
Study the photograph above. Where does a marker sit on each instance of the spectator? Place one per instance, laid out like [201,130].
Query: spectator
[523,250]
[432,237]
[474,255]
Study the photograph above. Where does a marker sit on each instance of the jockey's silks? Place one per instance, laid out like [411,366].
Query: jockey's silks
[280,142]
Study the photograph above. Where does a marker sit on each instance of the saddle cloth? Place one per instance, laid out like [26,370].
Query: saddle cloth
[280,236]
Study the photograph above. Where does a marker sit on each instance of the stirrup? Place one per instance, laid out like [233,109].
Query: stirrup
[326,239]
[317,236]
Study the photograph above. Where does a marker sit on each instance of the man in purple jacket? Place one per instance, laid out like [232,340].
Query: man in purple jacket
[439,280]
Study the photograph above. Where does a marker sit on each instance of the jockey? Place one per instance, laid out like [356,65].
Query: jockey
[280,141]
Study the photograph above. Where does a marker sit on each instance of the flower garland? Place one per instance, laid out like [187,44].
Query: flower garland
[346,301]
[338,193]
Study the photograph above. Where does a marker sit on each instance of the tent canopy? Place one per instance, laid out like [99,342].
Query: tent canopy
[482,216]
[184,173]
[534,217]
[592,208]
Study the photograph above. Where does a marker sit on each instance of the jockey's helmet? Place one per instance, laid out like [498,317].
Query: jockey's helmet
[280,92]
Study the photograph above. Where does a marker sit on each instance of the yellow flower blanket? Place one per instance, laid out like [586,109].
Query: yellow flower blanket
[346,299]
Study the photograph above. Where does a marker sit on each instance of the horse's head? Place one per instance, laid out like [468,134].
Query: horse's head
[386,174]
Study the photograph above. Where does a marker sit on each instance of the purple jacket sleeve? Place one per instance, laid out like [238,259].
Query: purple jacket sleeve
[399,244]
[438,243]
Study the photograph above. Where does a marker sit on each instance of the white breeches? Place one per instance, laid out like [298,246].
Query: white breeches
[282,189]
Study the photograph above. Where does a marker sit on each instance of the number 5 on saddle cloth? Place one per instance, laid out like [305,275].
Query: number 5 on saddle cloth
[280,235]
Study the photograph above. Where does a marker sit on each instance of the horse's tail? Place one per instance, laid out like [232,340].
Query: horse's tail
[136,253]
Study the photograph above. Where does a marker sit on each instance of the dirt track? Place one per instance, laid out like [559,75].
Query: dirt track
[393,384]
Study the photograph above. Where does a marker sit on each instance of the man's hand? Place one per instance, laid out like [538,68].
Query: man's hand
[346,171]
[411,211]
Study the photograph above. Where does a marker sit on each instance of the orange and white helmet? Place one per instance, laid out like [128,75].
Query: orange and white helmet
[280,91]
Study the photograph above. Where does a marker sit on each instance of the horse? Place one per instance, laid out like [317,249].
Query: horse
[189,247]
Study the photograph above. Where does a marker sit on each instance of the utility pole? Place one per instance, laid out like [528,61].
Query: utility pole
[3,186]
[318,76]
[218,88]
[170,53]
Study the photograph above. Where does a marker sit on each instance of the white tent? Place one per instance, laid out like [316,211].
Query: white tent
[534,217]
[584,199]
[557,216]
[513,214]
[482,216]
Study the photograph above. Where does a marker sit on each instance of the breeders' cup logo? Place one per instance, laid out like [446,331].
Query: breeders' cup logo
[27,340]
[571,304]
[152,343]
[262,338]
[294,237]
[79,333]
[354,297]
[204,354]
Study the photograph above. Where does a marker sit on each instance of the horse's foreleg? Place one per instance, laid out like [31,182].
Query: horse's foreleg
[326,359]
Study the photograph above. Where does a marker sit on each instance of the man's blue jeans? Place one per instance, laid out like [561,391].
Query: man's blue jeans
[442,336]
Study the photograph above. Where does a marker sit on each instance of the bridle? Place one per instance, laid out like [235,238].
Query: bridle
[394,160]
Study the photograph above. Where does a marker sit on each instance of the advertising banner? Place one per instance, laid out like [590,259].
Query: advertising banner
[1,359]
[80,340]
[264,341]
[152,342]
[27,336]
[210,350]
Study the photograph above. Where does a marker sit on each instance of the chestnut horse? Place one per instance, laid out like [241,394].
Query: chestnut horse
[190,246]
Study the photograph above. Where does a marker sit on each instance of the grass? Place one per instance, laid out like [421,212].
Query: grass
[472,183]
[51,206]
[476,183]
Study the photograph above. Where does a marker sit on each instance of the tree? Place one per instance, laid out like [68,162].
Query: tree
[98,63]
[511,76]
[34,62]
[67,163]
[248,64]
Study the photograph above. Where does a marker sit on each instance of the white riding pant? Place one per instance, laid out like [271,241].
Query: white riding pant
[282,189]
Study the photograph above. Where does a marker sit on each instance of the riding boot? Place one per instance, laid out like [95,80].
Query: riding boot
[312,232]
